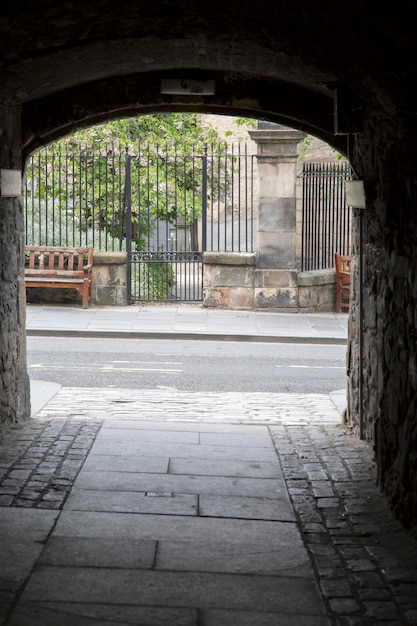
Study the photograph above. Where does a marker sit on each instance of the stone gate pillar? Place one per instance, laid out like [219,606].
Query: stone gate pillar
[14,381]
[276,271]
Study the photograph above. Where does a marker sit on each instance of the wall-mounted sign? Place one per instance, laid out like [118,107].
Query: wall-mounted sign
[355,194]
[10,183]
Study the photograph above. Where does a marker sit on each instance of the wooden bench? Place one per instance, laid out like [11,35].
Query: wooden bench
[343,265]
[60,268]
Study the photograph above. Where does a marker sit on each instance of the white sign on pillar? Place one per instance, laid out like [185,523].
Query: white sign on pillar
[10,183]
[355,194]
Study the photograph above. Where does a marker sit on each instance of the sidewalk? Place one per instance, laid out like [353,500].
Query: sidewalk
[156,507]
[162,508]
[182,321]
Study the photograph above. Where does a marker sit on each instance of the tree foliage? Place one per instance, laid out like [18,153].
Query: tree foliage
[83,177]
[173,128]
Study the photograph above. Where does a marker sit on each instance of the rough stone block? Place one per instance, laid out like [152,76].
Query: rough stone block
[317,290]
[276,250]
[317,298]
[232,276]
[270,298]
[229,258]
[276,278]
[276,214]
[228,297]
[317,277]
[109,279]
[109,295]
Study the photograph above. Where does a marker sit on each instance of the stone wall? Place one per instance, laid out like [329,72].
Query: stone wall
[317,291]
[14,381]
[228,280]
[109,279]
[387,382]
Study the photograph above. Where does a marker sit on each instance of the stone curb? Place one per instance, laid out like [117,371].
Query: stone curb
[203,336]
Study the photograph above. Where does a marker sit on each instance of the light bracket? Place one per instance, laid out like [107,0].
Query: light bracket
[188,87]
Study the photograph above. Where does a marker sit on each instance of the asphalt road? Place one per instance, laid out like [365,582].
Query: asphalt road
[188,365]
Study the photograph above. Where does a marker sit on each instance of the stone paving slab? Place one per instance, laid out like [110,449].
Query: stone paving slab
[156,502]
[138,422]
[183,451]
[364,562]
[244,507]
[89,614]
[180,484]
[97,552]
[108,463]
[235,469]
[32,528]
[255,618]
[219,556]
[266,534]
[148,436]
[175,589]
[69,614]
[261,440]
[202,467]
[23,533]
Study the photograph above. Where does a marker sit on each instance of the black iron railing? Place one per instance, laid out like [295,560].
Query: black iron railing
[147,200]
[326,219]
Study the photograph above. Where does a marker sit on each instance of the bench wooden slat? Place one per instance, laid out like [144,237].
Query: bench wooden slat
[58,270]
[39,272]
[343,266]
[53,281]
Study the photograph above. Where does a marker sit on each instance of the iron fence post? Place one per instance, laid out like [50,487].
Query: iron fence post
[128,208]
[204,201]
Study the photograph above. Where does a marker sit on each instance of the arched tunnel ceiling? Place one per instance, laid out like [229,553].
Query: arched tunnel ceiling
[48,118]
[69,64]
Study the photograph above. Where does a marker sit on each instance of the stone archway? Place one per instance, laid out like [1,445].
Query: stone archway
[59,73]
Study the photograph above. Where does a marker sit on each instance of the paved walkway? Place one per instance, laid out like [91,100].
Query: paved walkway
[171,508]
[187,321]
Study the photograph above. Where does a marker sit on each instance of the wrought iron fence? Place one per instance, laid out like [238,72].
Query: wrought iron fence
[164,205]
[326,220]
[74,196]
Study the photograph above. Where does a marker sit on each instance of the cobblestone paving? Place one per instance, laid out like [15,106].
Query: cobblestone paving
[169,404]
[39,462]
[365,563]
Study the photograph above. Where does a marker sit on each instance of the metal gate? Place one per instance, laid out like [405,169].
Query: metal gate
[180,203]
[163,206]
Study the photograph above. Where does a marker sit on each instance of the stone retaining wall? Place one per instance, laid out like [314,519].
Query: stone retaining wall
[229,280]
[232,281]
[109,279]
[317,290]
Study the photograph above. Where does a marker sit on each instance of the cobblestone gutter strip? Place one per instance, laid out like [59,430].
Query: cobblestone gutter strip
[366,564]
[39,462]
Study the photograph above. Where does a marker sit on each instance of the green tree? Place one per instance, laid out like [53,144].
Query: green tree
[82,177]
